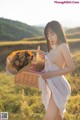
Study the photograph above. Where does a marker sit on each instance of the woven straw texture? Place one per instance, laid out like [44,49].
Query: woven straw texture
[27,78]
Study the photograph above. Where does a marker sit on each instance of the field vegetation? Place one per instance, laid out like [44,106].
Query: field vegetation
[23,102]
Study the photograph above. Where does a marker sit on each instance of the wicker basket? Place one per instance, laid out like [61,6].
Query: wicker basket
[27,78]
[29,74]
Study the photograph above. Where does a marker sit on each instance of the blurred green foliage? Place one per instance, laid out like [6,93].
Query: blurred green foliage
[15,30]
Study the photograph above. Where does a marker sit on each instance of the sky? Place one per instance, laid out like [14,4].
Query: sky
[39,12]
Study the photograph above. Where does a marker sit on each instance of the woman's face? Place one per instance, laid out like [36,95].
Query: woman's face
[52,37]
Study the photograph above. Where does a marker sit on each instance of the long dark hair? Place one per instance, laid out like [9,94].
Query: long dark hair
[56,27]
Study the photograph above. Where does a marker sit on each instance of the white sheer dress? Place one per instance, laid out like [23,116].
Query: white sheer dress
[58,86]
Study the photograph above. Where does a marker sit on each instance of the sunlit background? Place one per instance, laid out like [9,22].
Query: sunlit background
[39,12]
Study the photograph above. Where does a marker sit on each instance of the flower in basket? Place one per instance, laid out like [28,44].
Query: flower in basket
[17,60]
[21,60]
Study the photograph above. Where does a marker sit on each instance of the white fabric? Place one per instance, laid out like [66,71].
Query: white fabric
[58,86]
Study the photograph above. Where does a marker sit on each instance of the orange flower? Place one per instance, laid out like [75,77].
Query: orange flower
[19,59]
[30,53]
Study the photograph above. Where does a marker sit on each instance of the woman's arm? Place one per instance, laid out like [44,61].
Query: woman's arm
[68,60]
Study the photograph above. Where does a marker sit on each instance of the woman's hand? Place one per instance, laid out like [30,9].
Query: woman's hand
[41,54]
[46,75]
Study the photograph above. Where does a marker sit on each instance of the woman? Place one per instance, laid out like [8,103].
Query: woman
[57,90]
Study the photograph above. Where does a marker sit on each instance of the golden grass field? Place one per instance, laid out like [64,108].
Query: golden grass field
[24,103]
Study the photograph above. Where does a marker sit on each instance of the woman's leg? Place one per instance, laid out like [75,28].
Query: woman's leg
[52,111]
[59,117]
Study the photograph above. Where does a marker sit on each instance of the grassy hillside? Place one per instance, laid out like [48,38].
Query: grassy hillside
[73,30]
[75,35]
[15,30]
[11,30]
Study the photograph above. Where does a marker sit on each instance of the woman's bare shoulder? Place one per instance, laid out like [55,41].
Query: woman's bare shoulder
[64,46]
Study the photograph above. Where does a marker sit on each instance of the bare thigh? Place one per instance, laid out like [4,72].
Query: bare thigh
[52,111]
